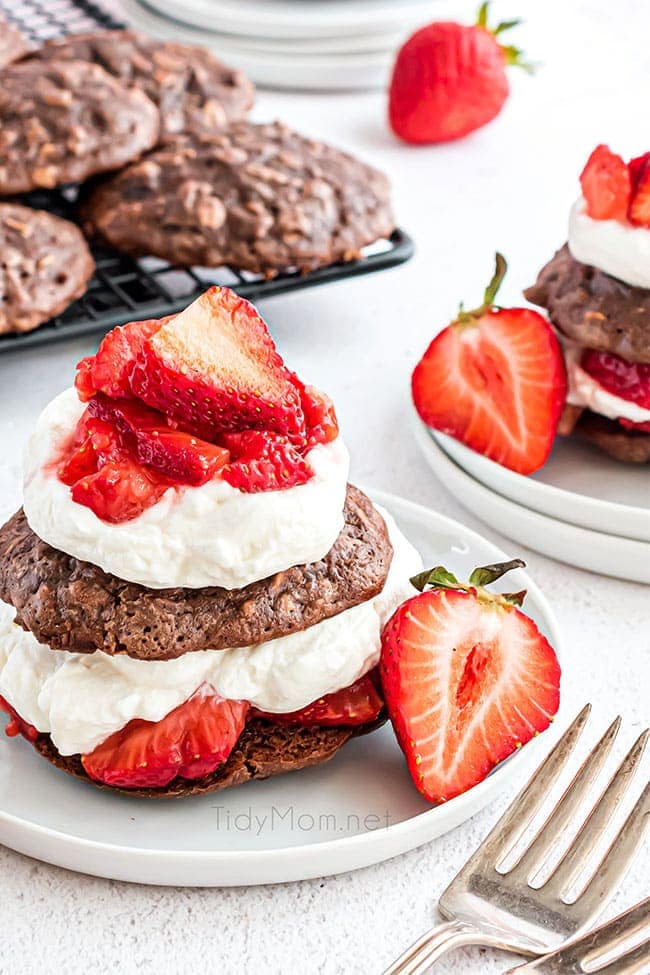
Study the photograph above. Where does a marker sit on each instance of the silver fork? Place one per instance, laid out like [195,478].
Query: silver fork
[599,952]
[502,909]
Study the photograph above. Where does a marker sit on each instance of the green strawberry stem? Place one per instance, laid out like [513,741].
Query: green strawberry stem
[441,578]
[512,55]
[489,296]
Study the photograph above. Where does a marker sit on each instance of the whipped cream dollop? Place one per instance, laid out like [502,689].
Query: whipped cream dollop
[212,535]
[80,699]
[619,249]
[584,390]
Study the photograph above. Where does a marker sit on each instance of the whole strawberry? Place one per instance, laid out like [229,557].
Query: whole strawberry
[450,79]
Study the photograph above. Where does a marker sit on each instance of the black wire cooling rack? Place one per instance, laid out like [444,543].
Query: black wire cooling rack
[122,288]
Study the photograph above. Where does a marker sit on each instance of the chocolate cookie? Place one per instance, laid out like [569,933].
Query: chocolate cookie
[12,43]
[193,90]
[630,446]
[264,749]
[44,265]
[62,121]
[73,605]
[256,197]
[593,308]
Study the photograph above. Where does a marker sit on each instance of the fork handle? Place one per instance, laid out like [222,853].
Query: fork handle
[417,959]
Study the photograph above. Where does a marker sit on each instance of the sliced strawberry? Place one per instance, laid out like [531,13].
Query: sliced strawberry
[360,703]
[320,415]
[108,371]
[605,183]
[215,369]
[495,379]
[263,461]
[468,678]
[629,380]
[120,490]
[17,726]
[639,208]
[179,456]
[92,444]
[190,742]
[642,427]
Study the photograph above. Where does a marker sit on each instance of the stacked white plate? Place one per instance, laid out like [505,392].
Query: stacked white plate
[582,508]
[306,44]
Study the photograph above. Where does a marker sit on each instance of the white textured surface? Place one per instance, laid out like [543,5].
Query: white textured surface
[509,186]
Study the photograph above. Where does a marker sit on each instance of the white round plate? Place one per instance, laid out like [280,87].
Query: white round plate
[358,809]
[286,18]
[297,70]
[609,555]
[578,484]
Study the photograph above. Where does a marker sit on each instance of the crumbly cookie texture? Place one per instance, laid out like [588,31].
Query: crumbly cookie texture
[45,264]
[593,308]
[72,605]
[12,43]
[194,91]
[256,197]
[63,121]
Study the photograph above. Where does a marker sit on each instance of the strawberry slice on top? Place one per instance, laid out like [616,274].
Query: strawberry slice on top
[467,678]
[495,379]
[215,369]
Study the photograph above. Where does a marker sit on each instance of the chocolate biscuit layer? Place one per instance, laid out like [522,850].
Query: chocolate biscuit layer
[629,446]
[73,605]
[264,749]
[594,309]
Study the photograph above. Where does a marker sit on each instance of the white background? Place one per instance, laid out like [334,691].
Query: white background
[509,187]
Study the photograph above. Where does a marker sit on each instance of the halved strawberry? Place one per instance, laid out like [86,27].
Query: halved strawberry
[263,461]
[495,379]
[17,726]
[641,427]
[215,369]
[639,208]
[109,370]
[467,677]
[191,741]
[183,458]
[605,183]
[360,703]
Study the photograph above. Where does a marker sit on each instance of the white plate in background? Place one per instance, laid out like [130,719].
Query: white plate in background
[579,484]
[358,809]
[610,555]
[286,18]
[322,72]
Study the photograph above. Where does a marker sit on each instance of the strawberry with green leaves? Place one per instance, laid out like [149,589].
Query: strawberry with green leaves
[467,678]
[495,379]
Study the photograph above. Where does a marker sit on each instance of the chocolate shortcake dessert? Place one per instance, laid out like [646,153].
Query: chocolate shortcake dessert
[193,594]
[596,290]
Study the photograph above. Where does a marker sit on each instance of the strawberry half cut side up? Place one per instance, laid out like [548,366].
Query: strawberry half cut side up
[467,678]
[358,704]
[215,369]
[495,379]
[190,742]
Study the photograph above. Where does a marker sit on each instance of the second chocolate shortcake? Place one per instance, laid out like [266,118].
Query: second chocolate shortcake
[596,290]
[193,595]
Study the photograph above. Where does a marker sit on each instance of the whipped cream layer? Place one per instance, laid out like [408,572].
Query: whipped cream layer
[81,699]
[212,535]
[584,390]
[619,249]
